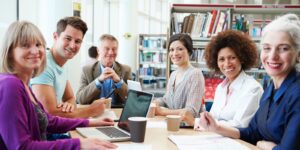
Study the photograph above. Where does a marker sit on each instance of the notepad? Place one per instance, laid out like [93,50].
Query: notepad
[211,142]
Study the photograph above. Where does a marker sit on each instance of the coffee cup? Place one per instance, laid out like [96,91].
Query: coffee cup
[151,111]
[173,122]
[137,127]
[108,103]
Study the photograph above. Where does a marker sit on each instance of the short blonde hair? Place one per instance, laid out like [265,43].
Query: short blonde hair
[19,33]
[108,37]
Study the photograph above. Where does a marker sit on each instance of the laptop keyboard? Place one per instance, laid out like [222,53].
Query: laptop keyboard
[112,132]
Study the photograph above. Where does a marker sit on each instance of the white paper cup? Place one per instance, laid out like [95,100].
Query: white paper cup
[173,122]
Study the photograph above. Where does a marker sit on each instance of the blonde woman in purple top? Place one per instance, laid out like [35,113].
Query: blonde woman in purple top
[24,122]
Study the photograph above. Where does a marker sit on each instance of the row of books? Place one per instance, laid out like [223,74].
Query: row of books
[153,57]
[249,25]
[152,71]
[201,24]
[210,23]
[198,55]
[153,42]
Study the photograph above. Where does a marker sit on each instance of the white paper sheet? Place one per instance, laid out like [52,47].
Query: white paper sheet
[134,146]
[108,114]
[211,142]
[134,85]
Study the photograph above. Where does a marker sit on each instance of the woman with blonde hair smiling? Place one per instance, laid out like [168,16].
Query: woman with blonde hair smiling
[24,122]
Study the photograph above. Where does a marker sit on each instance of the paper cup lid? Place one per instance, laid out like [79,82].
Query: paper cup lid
[137,118]
[173,116]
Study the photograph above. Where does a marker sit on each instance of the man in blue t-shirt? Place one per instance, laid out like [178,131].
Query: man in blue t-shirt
[52,87]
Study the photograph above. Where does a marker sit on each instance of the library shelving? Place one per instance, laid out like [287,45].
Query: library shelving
[203,21]
[152,62]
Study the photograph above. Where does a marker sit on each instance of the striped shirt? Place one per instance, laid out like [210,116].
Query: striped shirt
[187,93]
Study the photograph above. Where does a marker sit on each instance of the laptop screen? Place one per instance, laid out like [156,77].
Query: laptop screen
[136,105]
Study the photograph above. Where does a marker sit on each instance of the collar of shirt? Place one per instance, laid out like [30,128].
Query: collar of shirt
[282,89]
[236,83]
[52,61]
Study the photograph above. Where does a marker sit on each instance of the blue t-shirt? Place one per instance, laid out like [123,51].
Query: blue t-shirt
[53,75]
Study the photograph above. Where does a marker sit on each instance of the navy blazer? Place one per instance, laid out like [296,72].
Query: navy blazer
[278,117]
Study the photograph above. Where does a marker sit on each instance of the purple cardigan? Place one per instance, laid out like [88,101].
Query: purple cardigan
[18,122]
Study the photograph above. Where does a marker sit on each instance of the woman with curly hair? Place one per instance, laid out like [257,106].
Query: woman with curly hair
[276,124]
[237,97]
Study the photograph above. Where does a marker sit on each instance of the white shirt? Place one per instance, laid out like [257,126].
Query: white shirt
[238,107]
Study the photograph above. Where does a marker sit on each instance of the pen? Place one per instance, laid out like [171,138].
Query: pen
[111,92]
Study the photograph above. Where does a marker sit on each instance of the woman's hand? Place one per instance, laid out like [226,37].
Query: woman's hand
[265,145]
[187,117]
[96,144]
[101,122]
[207,122]
[159,111]
[197,125]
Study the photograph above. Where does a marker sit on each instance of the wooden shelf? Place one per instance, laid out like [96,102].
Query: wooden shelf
[259,15]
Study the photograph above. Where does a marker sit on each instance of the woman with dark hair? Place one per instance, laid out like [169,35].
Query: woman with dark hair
[185,87]
[276,124]
[237,97]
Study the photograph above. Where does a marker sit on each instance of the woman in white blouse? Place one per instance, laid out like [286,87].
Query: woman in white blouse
[237,97]
[185,87]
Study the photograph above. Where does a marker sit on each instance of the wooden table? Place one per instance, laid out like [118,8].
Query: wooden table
[158,137]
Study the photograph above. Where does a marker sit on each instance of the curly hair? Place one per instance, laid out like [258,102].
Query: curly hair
[241,44]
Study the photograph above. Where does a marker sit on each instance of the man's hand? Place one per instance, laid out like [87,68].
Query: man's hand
[97,107]
[66,107]
[101,122]
[96,144]
[109,73]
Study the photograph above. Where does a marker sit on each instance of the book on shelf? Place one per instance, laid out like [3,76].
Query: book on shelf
[221,22]
[195,24]
[212,22]
[216,22]
[198,55]
[190,23]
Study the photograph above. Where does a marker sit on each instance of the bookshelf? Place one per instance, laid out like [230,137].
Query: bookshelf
[152,62]
[203,21]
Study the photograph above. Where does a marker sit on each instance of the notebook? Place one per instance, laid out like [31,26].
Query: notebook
[136,105]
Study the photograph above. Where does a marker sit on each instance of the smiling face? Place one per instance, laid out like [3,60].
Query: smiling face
[108,52]
[179,54]
[28,57]
[278,56]
[67,44]
[228,63]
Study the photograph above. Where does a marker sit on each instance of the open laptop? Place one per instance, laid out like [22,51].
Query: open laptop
[136,105]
